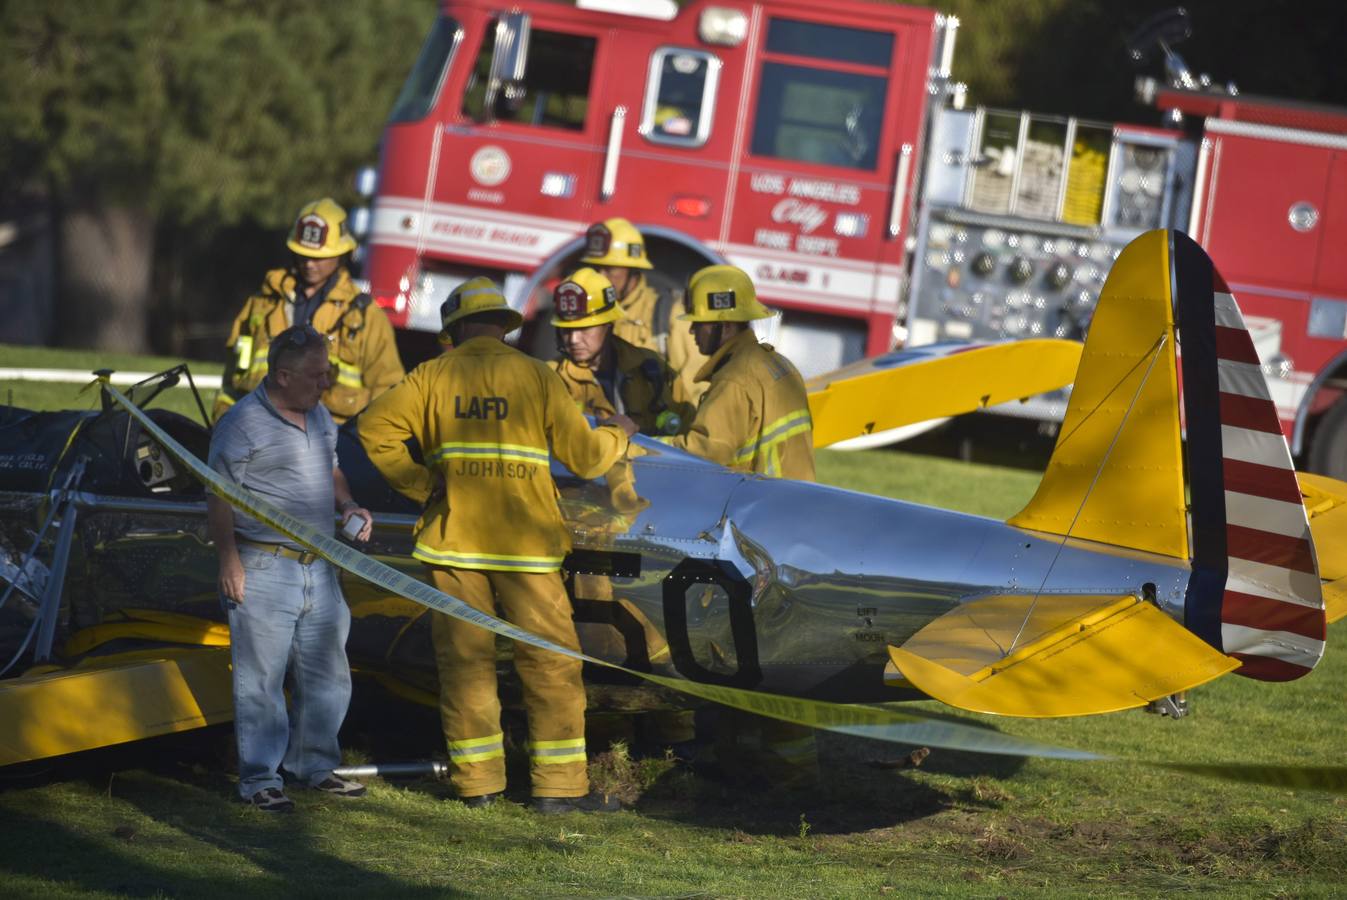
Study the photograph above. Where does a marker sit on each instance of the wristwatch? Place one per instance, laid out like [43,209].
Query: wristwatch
[344,505]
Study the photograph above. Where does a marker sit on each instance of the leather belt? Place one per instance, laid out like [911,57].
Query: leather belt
[303,557]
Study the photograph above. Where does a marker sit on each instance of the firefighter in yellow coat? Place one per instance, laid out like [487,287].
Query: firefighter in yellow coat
[489,419]
[605,374]
[754,417]
[649,317]
[316,290]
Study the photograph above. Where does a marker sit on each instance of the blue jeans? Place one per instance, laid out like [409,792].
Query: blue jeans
[294,617]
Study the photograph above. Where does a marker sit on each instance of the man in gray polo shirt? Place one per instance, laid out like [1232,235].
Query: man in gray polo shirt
[286,608]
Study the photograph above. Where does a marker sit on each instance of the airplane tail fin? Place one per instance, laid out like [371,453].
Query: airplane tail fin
[1117,473]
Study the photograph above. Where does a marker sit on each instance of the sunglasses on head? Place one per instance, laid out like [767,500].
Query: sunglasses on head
[298,338]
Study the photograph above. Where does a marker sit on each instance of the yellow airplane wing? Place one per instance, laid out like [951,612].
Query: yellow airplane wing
[913,385]
[1055,655]
[1326,505]
[113,700]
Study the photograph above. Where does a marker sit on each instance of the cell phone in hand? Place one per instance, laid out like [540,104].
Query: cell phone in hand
[353,527]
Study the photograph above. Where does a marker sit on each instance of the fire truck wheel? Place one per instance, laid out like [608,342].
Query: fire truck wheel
[1328,448]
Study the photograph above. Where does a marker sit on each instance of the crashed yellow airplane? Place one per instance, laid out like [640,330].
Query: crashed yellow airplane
[1117,586]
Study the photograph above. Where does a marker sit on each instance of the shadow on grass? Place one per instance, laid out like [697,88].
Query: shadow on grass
[185,782]
[253,857]
[864,785]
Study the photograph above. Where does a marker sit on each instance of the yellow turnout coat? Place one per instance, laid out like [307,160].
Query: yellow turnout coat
[755,415]
[361,347]
[646,387]
[488,419]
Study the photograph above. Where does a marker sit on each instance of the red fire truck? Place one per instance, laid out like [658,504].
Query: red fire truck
[782,137]
[1021,214]
[821,148]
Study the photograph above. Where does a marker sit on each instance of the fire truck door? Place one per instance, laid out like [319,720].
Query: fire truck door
[834,108]
[1331,276]
[1266,199]
[1274,227]
[517,178]
[669,135]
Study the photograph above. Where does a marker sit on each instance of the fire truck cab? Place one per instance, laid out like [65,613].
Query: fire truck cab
[780,136]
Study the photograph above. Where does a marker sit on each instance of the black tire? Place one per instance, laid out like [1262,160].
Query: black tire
[1328,447]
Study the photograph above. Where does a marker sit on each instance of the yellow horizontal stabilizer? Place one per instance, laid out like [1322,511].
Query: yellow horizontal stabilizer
[906,386]
[73,710]
[1326,505]
[1335,599]
[1074,656]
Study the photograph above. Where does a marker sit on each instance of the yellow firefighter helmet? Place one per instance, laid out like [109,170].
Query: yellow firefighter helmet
[476,295]
[320,231]
[585,298]
[722,294]
[615,242]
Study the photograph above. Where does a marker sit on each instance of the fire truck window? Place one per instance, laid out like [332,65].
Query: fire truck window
[1140,194]
[819,116]
[1042,168]
[849,45]
[680,97]
[1085,179]
[423,84]
[555,89]
[998,153]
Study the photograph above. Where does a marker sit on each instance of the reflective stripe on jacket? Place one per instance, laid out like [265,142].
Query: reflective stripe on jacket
[361,346]
[642,398]
[755,415]
[488,418]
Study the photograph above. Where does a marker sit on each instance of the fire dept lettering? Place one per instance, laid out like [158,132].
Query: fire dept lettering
[495,468]
[497,235]
[514,238]
[806,188]
[451,228]
[819,246]
[777,240]
[830,191]
[481,408]
[782,274]
[480,196]
[763,183]
[808,216]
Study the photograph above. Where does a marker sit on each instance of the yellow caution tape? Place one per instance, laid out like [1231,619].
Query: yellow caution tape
[860,720]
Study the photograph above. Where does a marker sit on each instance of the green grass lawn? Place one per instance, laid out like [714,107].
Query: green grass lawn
[160,819]
[44,395]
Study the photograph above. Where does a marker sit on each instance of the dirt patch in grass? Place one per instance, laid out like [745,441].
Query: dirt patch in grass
[1314,846]
[616,772]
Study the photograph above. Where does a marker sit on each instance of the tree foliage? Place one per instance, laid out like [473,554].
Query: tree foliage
[1069,56]
[194,129]
[205,111]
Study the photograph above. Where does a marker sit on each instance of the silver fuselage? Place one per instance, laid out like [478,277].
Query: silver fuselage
[779,585]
